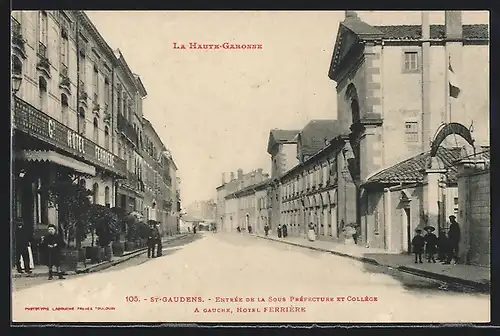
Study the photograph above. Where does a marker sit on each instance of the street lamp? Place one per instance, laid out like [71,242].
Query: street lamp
[16,83]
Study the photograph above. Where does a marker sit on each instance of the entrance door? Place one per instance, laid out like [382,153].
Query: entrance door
[407,221]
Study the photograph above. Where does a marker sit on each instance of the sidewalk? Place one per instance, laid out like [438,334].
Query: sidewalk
[41,270]
[465,275]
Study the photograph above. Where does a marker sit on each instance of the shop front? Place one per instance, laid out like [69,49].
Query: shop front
[44,151]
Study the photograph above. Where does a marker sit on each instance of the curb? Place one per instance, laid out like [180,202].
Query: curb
[480,286]
[100,266]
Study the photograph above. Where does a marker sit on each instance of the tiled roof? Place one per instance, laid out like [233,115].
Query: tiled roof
[284,135]
[411,170]
[412,32]
[314,134]
[361,28]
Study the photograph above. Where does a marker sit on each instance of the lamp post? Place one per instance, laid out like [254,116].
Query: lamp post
[16,83]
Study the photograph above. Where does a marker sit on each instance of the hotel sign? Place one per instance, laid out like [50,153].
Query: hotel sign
[39,125]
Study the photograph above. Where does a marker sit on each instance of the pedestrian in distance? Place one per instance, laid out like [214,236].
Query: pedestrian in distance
[250,229]
[279,230]
[22,244]
[53,243]
[311,234]
[284,231]
[453,240]
[430,244]
[238,229]
[151,242]
[266,230]
[159,246]
[418,244]
[442,246]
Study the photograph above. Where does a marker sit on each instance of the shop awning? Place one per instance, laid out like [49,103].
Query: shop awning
[54,157]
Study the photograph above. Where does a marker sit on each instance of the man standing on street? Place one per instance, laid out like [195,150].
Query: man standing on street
[22,239]
[151,241]
[453,240]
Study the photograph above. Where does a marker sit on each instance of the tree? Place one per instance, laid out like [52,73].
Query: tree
[72,202]
[104,224]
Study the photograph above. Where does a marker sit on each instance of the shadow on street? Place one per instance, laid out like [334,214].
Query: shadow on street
[409,281]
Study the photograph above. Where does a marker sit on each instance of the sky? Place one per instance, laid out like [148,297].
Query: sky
[214,108]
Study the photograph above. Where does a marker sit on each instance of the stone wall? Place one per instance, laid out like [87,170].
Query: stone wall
[474,213]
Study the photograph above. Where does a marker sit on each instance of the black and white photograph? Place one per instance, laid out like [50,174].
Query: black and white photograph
[250,166]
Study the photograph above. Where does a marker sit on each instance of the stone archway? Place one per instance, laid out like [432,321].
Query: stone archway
[446,130]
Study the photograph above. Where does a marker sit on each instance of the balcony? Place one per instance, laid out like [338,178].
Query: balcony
[82,93]
[127,130]
[43,64]
[65,82]
[18,41]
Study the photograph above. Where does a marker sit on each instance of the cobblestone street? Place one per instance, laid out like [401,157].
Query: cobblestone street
[231,265]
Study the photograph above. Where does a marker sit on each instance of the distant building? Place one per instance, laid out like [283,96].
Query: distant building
[282,146]
[202,211]
[237,198]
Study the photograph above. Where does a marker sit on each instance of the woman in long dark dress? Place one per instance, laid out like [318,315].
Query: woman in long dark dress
[442,245]
[279,231]
[285,231]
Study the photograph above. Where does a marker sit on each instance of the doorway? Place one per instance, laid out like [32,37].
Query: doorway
[407,223]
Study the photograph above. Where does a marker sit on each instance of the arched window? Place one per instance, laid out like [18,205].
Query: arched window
[17,66]
[81,122]
[96,131]
[106,137]
[106,196]
[42,93]
[119,101]
[95,193]
[64,109]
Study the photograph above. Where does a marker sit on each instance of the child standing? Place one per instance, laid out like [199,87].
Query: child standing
[430,244]
[418,243]
[53,243]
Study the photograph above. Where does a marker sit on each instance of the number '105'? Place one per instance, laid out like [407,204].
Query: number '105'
[131,299]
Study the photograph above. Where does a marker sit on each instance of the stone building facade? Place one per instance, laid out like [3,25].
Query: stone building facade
[76,108]
[236,198]
[64,116]
[282,147]
[394,100]
[159,176]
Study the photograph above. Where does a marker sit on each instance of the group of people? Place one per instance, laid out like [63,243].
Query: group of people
[282,231]
[50,244]
[154,242]
[445,245]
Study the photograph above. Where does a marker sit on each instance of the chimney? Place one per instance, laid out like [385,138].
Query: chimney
[232,176]
[240,174]
[223,178]
[453,24]
[351,15]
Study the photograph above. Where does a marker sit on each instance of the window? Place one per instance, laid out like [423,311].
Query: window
[96,131]
[43,27]
[411,63]
[42,93]
[106,91]
[64,47]
[119,102]
[82,70]
[106,197]
[95,84]
[411,131]
[64,109]
[81,124]
[17,66]
[106,138]
[95,193]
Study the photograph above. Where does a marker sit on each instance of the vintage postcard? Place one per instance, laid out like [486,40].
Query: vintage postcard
[253,166]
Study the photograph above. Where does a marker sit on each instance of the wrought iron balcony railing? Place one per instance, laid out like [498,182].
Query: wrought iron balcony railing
[127,129]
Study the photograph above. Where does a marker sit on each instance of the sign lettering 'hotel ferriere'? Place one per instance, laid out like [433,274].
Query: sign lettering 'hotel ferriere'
[39,125]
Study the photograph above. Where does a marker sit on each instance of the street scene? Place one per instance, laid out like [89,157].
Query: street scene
[193,169]
[256,268]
